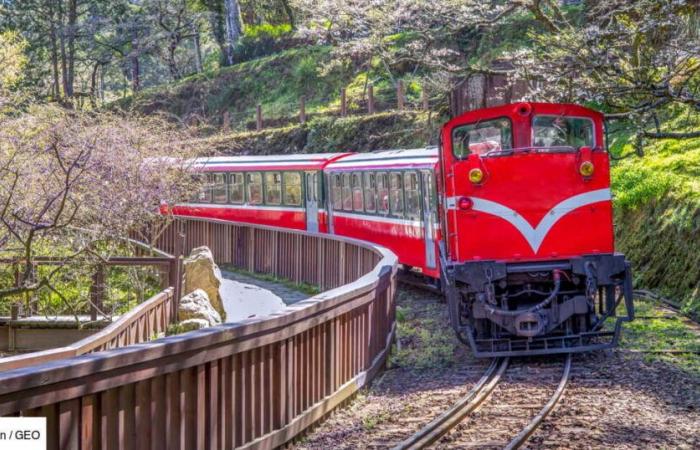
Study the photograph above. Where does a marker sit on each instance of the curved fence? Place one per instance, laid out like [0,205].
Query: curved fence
[252,384]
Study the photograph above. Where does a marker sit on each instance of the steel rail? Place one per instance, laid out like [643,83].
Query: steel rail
[453,416]
[525,434]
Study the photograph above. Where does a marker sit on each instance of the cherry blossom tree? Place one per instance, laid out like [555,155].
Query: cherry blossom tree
[71,184]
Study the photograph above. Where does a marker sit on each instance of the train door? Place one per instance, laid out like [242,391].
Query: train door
[429,214]
[311,190]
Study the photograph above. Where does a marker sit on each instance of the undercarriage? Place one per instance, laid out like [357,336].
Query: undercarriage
[536,308]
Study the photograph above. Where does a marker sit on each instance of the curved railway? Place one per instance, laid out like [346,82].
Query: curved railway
[474,399]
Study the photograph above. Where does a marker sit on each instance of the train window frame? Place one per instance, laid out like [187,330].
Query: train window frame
[476,123]
[336,191]
[267,184]
[347,196]
[285,194]
[392,211]
[563,116]
[409,211]
[358,201]
[384,209]
[219,182]
[231,183]
[369,191]
[248,176]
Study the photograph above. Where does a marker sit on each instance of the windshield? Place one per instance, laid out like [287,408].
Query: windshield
[559,131]
[482,137]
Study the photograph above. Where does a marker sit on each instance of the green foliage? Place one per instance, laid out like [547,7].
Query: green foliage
[263,40]
[657,201]
[659,335]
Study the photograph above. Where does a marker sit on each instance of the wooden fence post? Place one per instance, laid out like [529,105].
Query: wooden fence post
[226,122]
[424,98]
[302,109]
[97,290]
[370,99]
[399,95]
[343,103]
[258,118]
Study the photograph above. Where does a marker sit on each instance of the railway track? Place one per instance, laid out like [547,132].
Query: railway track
[475,398]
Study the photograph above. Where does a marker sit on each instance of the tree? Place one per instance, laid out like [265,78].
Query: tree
[72,183]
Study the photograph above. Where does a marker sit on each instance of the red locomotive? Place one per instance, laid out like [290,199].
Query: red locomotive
[511,217]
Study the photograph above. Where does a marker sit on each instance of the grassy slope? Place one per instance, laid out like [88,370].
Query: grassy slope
[658,215]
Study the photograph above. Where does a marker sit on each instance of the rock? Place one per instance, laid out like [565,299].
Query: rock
[201,272]
[193,324]
[196,306]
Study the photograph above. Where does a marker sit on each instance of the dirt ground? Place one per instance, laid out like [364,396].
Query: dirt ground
[627,398]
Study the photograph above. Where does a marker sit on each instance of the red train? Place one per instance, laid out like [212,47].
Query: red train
[511,217]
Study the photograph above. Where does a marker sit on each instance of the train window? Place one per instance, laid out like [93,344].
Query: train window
[412,189]
[273,188]
[236,192]
[396,193]
[558,131]
[347,193]
[292,188]
[370,192]
[357,203]
[337,192]
[482,137]
[203,193]
[382,192]
[254,188]
[218,188]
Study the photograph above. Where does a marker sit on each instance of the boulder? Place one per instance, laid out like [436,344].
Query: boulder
[201,272]
[192,324]
[196,306]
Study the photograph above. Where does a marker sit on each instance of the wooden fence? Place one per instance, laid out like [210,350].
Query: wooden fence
[253,384]
[141,324]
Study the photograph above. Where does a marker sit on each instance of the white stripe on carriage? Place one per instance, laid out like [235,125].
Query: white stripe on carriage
[246,207]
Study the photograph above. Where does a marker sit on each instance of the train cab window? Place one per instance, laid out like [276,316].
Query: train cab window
[382,192]
[273,188]
[236,188]
[254,189]
[370,192]
[413,200]
[337,191]
[482,137]
[218,188]
[396,193]
[292,188]
[357,201]
[559,131]
[347,193]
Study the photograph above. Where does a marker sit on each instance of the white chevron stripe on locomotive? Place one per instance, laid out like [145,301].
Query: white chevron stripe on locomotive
[535,236]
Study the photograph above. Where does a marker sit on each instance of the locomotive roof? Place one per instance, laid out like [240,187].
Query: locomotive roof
[403,158]
[266,162]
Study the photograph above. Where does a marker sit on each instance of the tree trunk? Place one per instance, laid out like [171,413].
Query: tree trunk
[172,63]
[197,49]
[232,14]
[290,13]
[93,85]
[72,23]
[50,6]
[62,40]
[134,63]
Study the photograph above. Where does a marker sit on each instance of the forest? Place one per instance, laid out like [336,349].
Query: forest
[92,89]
